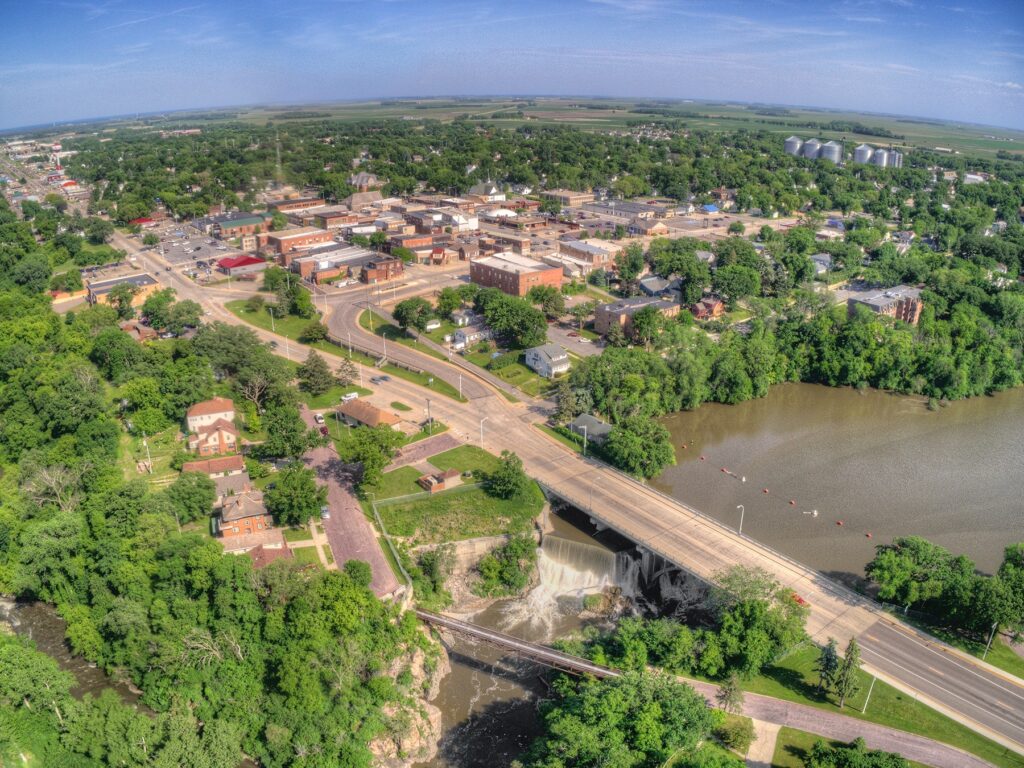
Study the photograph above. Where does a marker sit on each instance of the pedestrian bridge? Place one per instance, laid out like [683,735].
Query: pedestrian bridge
[527,650]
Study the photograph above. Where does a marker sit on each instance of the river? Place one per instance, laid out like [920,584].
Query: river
[883,465]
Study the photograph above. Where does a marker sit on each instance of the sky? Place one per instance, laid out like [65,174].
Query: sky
[75,59]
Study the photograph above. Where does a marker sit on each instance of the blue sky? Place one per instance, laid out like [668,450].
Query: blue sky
[70,59]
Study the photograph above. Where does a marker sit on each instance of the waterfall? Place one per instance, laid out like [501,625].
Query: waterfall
[568,571]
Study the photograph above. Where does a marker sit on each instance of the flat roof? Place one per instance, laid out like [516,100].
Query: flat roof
[104,286]
[587,247]
[288,234]
[512,262]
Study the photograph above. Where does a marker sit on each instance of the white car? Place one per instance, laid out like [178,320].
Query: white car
[318,418]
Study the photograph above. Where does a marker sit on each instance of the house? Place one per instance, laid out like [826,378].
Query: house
[463,317]
[652,285]
[822,263]
[487,191]
[432,325]
[548,360]
[708,257]
[442,481]
[207,412]
[358,413]
[593,428]
[513,274]
[364,181]
[708,308]
[621,312]
[647,228]
[211,427]
[901,302]
[242,264]
[470,334]
[223,466]
[219,437]
[138,331]
[244,524]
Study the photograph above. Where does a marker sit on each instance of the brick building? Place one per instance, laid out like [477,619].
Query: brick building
[381,269]
[296,204]
[567,198]
[901,302]
[621,312]
[513,274]
[99,290]
[288,240]
[242,264]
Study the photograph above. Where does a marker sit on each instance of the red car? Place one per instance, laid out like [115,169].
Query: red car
[799,600]
[323,431]
[573,334]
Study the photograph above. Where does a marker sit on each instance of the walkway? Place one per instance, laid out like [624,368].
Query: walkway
[348,531]
[423,449]
[762,750]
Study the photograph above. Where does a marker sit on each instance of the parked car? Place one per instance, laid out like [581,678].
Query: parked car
[324,431]
[325,512]
[574,334]
[273,345]
[318,418]
[349,397]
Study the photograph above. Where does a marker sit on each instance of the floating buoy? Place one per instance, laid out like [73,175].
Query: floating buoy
[792,503]
[839,522]
[724,469]
[868,535]
[683,446]
[764,490]
[702,458]
[743,479]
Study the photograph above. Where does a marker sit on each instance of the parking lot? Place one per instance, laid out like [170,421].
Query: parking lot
[195,253]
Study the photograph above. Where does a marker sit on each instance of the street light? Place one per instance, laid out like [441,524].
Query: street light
[584,439]
[742,512]
[485,418]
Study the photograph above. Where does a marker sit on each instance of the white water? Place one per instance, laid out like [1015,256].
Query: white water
[569,570]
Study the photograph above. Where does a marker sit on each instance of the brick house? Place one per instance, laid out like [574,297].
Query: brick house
[211,427]
[621,312]
[513,274]
[708,308]
[381,269]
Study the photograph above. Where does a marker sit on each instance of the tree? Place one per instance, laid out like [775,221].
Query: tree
[735,282]
[827,666]
[315,375]
[192,494]
[121,297]
[509,479]
[911,570]
[448,300]
[372,448]
[32,273]
[99,231]
[157,307]
[287,435]
[255,304]
[630,262]
[295,497]
[730,694]
[640,446]
[580,312]
[736,228]
[315,331]
[278,221]
[413,313]
[150,239]
[646,325]
[565,398]
[550,299]
[846,682]
[853,755]
[346,372]
[378,240]
[184,314]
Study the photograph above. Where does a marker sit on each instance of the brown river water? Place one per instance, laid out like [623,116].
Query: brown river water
[882,464]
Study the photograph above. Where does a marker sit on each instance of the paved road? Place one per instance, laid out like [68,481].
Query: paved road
[423,449]
[985,699]
[348,531]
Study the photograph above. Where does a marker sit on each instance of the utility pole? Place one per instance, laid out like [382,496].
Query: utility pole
[742,510]
[460,380]
[991,636]
[430,421]
[485,418]
[868,698]
[584,439]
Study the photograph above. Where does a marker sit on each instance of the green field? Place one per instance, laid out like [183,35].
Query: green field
[793,679]
[597,114]
[378,326]
[461,513]
[517,374]
[397,482]
[466,458]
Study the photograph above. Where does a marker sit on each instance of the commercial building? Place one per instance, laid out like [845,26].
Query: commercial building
[382,268]
[296,204]
[358,412]
[242,264]
[567,198]
[241,226]
[548,360]
[99,290]
[513,274]
[330,261]
[289,240]
[901,302]
[599,254]
[621,312]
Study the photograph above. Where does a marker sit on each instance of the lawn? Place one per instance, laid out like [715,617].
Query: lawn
[565,440]
[332,397]
[793,678]
[162,448]
[466,458]
[306,556]
[517,374]
[297,534]
[437,335]
[461,513]
[398,482]
[291,327]
[435,429]
[381,327]
[400,406]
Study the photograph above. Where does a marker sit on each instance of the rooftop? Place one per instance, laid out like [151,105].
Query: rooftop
[512,262]
[243,505]
[368,414]
[221,464]
[634,305]
[288,234]
[105,286]
[211,406]
[241,260]
[551,351]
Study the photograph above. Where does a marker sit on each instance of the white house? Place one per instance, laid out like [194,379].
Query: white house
[208,412]
[489,191]
[471,334]
[548,360]
[432,325]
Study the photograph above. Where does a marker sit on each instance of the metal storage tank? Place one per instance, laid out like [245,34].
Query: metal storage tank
[895,159]
[862,154]
[832,151]
[811,149]
[793,145]
[880,158]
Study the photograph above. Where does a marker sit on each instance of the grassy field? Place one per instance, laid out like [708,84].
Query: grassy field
[378,326]
[291,327]
[793,678]
[461,513]
[297,534]
[163,446]
[466,458]
[517,374]
[331,397]
[567,442]
[306,556]
[400,406]
[398,482]
[793,746]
